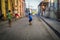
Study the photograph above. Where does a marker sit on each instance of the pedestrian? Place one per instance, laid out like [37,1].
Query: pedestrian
[9,16]
[16,16]
[30,19]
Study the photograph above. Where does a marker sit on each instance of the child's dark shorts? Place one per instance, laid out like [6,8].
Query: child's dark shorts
[9,20]
[30,20]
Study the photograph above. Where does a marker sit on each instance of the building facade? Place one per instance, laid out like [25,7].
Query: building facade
[39,11]
[16,6]
[58,9]
[19,7]
[52,10]
[43,5]
[5,5]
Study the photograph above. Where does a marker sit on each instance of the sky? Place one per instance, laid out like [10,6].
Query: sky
[32,3]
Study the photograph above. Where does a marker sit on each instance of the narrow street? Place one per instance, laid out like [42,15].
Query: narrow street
[21,30]
[44,14]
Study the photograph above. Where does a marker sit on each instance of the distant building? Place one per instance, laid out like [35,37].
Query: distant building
[27,10]
[39,11]
[34,11]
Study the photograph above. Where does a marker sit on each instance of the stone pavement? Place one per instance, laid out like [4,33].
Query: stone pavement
[21,30]
[54,25]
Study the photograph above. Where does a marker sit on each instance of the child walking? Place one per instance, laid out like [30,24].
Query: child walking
[30,19]
[9,16]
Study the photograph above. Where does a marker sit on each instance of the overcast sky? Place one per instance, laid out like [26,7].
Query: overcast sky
[32,3]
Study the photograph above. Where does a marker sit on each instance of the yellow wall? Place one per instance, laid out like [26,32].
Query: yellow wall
[46,0]
[19,7]
[3,8]
[9,5]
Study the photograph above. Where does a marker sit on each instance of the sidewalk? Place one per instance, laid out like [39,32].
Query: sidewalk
[53,24]
[6,21]
[3,22]
[4,26]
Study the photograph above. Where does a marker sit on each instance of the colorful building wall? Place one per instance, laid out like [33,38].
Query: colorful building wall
[22,8]
[58,9]
[19,7]
[50,9]
[46,0]
[53,9]
[52,13]
[5,6]
[19,3]
[16,6]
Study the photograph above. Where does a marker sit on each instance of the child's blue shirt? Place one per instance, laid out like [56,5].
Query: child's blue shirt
[30,17]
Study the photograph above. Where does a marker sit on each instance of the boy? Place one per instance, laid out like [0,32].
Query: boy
[30,19]
[9,18]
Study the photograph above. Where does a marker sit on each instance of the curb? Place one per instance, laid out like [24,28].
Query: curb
[56,32]
[51,32]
